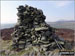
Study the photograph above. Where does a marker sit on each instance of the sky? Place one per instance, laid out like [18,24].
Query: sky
[53,10]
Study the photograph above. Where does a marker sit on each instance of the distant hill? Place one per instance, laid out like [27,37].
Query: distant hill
[63,24]
[58,24]
[3,26]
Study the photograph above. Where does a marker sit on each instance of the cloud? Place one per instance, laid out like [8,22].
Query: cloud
[62,3]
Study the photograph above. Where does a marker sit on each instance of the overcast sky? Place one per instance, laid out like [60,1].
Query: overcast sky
[53,10]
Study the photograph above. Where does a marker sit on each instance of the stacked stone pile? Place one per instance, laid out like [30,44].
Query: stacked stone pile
[31,29]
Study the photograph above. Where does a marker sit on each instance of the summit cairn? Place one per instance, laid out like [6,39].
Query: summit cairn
[32,30]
